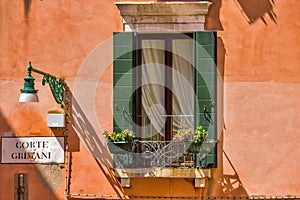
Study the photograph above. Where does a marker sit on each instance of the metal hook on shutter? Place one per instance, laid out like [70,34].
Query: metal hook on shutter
[117,108]
[207,116]
[213,104]
[126,116]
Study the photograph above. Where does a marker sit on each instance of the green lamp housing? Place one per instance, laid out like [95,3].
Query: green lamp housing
[28,93]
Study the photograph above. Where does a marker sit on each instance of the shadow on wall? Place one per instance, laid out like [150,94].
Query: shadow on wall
[212,21]
[27,4]
[257,9]
[48,176]
[90,138]
[221,52]
[231,184]
[252,10]
[223,184]
[228,183]
[5,129]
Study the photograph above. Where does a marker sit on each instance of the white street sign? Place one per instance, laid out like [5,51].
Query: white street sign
[32,150]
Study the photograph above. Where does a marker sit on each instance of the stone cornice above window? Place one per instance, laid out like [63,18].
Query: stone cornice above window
[164,16]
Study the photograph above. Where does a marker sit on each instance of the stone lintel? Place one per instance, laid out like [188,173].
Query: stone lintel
[174,16]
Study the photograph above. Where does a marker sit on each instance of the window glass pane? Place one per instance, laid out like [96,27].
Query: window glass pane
[182,85]
[153,94]
[167,95]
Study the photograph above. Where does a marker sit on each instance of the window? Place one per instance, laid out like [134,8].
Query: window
[164,100]
[165,82]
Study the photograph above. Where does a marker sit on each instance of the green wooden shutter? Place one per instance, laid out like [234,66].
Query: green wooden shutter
[205,89]
[122,80]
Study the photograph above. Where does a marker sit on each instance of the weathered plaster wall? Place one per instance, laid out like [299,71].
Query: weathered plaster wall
[260,62]
[56,36]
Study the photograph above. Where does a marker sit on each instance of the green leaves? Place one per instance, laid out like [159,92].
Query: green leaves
[125,135]
[199,134]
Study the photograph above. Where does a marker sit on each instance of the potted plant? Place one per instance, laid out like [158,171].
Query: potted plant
[120,142]
[199,135]
[192,139]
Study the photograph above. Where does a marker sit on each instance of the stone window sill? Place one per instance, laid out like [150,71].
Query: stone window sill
[200,175]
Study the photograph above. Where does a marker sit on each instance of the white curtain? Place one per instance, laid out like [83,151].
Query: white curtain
[183,80]
[153,78]
[153,90]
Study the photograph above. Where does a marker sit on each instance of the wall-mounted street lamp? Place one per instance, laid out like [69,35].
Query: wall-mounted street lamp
[29,93]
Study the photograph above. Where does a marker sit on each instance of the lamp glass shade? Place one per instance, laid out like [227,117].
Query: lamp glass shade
[28,97]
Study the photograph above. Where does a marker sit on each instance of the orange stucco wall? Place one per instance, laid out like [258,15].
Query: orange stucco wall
[258,61]
[261,80]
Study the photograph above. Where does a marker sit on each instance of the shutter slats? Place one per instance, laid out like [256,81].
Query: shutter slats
[205,89]
[122,79]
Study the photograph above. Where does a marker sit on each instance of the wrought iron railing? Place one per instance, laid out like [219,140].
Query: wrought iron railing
[157,154]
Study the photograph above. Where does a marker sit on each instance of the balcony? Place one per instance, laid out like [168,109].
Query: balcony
[168,159]
[158,154]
